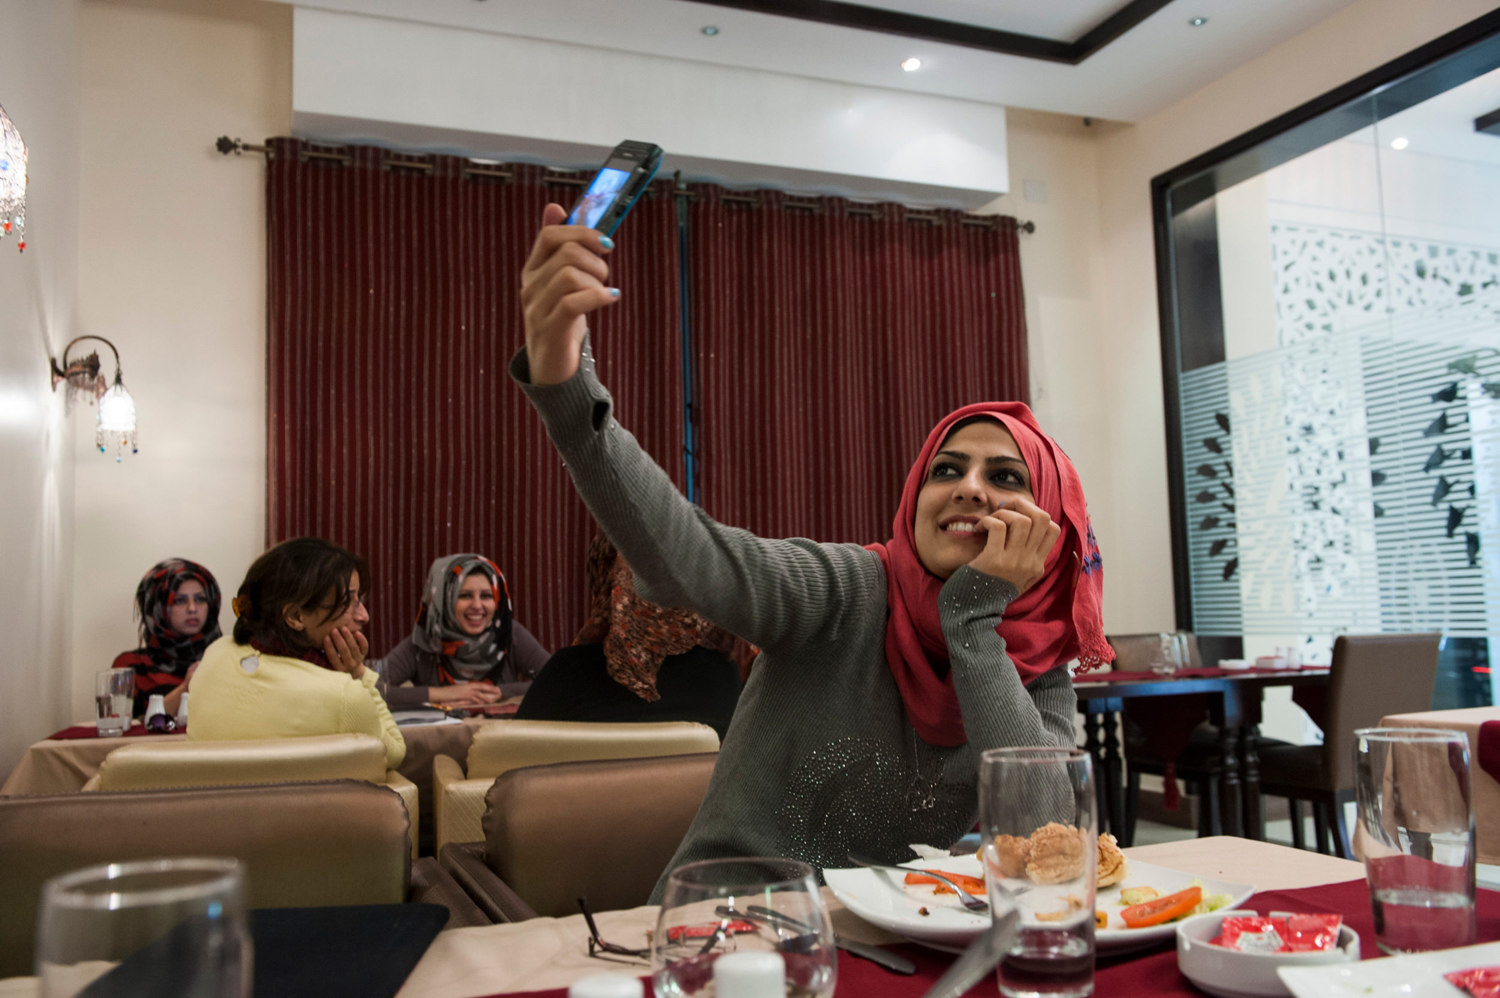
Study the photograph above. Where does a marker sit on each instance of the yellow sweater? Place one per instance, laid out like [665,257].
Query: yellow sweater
[239,692]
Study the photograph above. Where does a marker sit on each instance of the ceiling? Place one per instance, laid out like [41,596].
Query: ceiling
[1128,77]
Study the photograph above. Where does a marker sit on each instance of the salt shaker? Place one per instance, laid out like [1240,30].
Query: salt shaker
[182,710]
[750,974]
[157,718]
[606,986]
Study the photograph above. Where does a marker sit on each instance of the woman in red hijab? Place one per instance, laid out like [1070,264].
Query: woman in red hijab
[885,671]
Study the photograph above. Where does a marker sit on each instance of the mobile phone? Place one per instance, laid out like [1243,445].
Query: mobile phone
[615,188]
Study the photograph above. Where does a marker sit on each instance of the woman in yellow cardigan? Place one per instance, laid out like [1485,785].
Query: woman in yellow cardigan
[295,663]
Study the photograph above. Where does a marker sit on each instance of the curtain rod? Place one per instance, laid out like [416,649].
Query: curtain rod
[412,161]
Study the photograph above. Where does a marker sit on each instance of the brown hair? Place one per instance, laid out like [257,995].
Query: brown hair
[304,573]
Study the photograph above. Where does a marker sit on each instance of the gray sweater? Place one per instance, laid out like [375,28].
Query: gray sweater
[820,758]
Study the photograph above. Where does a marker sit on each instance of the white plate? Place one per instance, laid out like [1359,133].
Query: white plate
[1418,975]
[882,899]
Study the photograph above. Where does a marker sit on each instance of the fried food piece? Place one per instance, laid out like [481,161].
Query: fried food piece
[1014,851]
[1057,853]
[1112,865]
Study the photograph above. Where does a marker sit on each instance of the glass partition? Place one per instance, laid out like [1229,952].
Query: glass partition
[1331,343]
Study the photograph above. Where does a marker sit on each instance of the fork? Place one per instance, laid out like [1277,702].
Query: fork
[968,900]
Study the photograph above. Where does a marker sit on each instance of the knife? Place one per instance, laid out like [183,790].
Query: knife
[893,962]
[978,960]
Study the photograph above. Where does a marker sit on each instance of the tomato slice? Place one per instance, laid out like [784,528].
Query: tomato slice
[973,885]
[1162,909]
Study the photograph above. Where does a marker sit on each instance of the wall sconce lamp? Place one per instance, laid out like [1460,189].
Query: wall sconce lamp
[116,408]
[12,181]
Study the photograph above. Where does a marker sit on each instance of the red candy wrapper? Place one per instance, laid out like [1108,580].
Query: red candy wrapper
[1311,933]
[1481,982]
[1281,932]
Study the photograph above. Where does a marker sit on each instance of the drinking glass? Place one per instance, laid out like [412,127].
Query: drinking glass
[1040,832]
[754,908]
[153,926]
[114,695]
[1416,836]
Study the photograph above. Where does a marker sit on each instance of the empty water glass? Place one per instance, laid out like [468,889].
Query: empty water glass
[154,926]
[1416,836]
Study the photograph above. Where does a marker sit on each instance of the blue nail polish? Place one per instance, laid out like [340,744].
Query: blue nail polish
[606,242]
[614,292]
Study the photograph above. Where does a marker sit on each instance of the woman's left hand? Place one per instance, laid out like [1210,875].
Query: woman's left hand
[1020,537]
[346,650]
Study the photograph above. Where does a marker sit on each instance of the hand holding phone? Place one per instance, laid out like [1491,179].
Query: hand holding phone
[619,183]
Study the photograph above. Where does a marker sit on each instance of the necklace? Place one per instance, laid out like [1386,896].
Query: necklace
[921,793]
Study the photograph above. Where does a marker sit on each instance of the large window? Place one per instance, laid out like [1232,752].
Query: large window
[1330,289]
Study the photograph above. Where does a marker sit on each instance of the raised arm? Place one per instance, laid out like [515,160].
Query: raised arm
[768,592]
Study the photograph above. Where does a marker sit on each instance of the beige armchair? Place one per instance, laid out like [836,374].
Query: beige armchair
[148,765]
[605,830]
[338,842]
[458,799]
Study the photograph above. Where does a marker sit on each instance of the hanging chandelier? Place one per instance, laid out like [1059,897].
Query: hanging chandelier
[12,181]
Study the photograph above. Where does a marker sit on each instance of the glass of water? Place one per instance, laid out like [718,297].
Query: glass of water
[114,699]
[1040,829]
[1416,835]
[728,924]
[154,926]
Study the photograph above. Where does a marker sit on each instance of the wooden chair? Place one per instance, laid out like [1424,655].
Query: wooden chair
[459,800]
[605,830]
[1371,676]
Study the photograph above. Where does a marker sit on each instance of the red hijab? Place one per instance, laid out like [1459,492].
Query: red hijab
[1057,620]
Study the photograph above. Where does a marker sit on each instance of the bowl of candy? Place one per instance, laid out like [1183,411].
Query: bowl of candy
[1235,954]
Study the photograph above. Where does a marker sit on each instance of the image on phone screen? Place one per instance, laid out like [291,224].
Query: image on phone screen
[598,197]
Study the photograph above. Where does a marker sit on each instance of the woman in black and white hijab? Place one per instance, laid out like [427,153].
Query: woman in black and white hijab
[465,648]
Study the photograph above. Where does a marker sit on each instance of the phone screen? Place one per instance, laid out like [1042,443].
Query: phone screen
[597,198]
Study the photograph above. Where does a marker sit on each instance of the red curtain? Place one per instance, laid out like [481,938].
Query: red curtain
[393,426]
[830,337]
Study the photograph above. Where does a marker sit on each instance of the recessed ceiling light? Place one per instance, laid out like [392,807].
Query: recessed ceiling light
[911,65]
[1197,22]
[710,30]
[1399,143]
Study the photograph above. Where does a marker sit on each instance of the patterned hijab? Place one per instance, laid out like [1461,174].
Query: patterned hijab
[467,656]
[169,651]
[637,634]
[1053,622]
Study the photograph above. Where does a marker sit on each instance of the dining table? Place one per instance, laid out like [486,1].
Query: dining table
[1234,698]
[541,957]
[1482,726]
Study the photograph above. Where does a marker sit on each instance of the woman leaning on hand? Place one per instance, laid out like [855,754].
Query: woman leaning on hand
[884,670]
[295,663]
[466,648]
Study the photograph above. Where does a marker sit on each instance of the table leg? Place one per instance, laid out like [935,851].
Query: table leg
[1253,809]
[1095,748]
[1114,788]
[1229,796]
[1103,746]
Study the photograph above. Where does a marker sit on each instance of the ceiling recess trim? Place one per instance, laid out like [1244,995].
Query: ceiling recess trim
[890,22]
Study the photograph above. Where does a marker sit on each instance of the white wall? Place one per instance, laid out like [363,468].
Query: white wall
[172,259]
[506,96]
[38,301]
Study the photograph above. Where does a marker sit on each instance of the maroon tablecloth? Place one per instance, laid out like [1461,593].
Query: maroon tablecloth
[77,731]
[1151,971]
